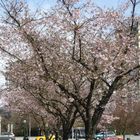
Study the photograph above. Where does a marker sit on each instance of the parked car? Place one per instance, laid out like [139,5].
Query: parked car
[7,136]
[137,134]
[112,138]
[105,134]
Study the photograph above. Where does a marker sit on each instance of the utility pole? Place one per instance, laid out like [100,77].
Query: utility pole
[11,128]
[8,128]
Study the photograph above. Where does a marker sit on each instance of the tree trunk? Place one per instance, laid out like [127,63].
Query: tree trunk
[66,131]
[90,130]
[65,135]
[124,135]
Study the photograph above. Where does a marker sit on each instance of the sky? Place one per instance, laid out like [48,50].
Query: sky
[40,3]
[46,4]
[49,3]
[109,3]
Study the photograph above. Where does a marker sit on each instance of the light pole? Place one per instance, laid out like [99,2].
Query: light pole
[46,131]
[24,126]
[25,130]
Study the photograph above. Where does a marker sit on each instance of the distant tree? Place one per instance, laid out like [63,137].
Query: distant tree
[47,111]
[127,112]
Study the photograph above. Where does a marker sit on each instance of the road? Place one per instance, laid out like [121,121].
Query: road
[132,137]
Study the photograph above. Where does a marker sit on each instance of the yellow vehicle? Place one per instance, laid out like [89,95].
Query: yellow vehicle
[41,137]
[51,136]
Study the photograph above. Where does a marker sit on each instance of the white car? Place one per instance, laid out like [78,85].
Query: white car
[7,136]
[105,134]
